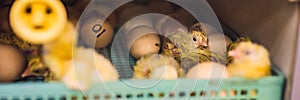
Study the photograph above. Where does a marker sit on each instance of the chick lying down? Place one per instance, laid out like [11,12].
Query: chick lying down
[250,61]
[88,67]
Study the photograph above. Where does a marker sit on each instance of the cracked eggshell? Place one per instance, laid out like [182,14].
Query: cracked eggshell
[142,41]
[207,70]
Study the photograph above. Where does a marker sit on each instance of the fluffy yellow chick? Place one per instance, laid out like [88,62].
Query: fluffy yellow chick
[250,61]
[88,67]
[157,66]
[58,52]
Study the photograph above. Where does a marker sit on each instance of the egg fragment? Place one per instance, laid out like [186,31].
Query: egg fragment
[143,41]
[96,32]
[12,63]
[38,21]
[207,70]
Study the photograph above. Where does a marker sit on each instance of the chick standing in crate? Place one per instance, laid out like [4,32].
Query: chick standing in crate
[44,22]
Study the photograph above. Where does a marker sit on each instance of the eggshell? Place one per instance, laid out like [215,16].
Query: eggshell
[12,63]
[95,34]
[142,41]
[207,70]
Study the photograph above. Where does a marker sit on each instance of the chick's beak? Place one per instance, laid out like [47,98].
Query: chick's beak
[234,53]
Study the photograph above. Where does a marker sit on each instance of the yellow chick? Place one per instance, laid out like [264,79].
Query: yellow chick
[250,61]
[88,67]
[58,52]
[157,66]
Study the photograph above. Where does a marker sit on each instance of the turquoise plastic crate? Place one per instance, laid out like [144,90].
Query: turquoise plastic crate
[268,88]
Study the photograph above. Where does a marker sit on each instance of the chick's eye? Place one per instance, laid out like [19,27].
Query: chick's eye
[28,9]
[194,39]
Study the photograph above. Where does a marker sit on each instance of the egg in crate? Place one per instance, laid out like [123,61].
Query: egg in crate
[143,40]
[207,70]
[12,63]
[95,34]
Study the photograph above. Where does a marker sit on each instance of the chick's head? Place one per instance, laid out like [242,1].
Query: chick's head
[248,52]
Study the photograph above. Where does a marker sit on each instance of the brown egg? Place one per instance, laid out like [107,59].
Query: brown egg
[207,70]
[142,41]
[96,34]
[12,63]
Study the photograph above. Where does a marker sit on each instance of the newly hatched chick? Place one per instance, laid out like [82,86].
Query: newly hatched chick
[157,66]
[58,52]
[88,67]
[199,36]
[182,48]
[176,44]
[250,61]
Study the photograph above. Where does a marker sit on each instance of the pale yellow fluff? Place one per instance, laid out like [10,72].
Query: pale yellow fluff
[157,67]
[88,67]
[250,61]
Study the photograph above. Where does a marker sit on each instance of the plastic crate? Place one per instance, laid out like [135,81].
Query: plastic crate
[268,88]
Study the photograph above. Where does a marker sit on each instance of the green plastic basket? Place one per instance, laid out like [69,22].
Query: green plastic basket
[268,88]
